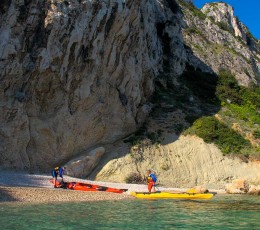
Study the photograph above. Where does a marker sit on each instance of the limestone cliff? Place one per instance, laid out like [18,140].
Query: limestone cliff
[73,74]
[76,75]
[220,41]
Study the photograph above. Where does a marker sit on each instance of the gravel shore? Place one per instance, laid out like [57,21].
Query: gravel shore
[24,187]
[50,195]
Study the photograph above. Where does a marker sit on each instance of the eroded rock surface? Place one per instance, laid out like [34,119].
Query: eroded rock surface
[79,74]
[220,41]
[73,74]
[185,162]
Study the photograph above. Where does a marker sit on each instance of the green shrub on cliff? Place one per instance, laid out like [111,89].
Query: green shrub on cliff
[256,134]
[191,7]
[240,105]
[243,103]
[224,26]
[228,90]
[213,131]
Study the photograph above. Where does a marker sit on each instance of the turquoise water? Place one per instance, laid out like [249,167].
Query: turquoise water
[222,212]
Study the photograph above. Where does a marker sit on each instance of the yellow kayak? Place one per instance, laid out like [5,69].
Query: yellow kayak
[168,195]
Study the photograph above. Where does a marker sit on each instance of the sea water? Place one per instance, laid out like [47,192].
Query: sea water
[221,212]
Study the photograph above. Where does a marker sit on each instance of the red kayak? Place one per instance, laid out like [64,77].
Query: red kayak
[87,187]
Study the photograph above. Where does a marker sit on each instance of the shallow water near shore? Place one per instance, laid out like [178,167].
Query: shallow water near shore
[222,212]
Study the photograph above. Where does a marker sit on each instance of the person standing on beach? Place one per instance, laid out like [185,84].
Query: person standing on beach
[58,171]
[151,180]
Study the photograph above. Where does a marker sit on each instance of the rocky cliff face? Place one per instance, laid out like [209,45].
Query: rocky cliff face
[73,74]
[220,41]
[80,74]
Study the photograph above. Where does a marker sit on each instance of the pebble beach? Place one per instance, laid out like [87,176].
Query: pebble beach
[23,187]
[32,188]
[45,195]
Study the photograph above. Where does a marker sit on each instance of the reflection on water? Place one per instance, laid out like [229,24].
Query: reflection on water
[222,212]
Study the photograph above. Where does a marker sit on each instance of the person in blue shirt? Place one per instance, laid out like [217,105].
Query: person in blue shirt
[151,180]
[58,171]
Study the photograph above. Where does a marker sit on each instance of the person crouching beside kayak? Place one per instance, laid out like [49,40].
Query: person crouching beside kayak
[58,171]
[151,179]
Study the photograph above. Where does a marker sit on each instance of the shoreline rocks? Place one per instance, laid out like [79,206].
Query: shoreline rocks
[241,186]
[254,190]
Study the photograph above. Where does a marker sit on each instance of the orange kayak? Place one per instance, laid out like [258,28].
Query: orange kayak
[87,187]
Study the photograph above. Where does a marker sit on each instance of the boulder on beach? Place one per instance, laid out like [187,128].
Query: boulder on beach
[254,190]
[83,165]
[238,186]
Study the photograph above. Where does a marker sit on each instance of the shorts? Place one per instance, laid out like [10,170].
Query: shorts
[150,185]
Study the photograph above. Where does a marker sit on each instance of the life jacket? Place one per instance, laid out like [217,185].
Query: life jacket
[151,178]
[57,170]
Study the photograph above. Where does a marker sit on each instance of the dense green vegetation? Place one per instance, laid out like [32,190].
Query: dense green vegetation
[238,110]
[244,103]
[213,131]
[239,105]
[197,97]
[200,96]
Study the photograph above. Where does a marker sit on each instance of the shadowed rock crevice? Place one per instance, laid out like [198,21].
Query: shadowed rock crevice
[173,5]
[111,19]
[4,6]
